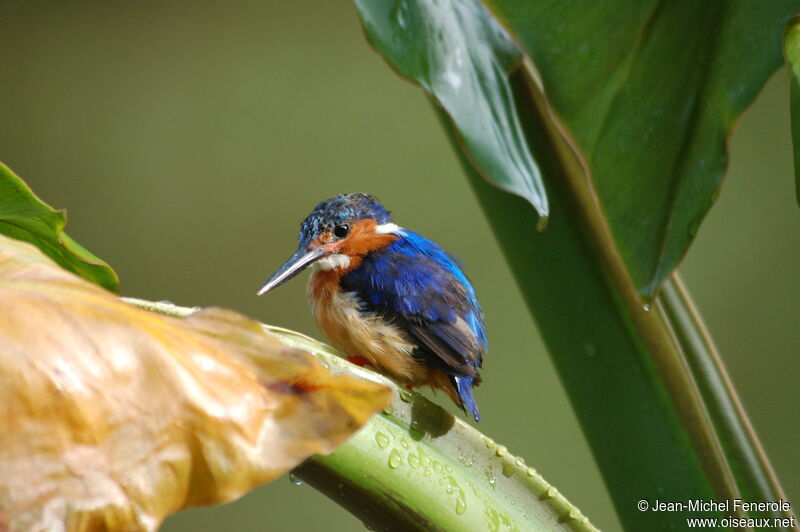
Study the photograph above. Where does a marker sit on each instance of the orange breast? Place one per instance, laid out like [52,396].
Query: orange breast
[357,332]
[360,333]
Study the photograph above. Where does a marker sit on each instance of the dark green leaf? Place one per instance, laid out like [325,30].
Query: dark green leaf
[791,49]
[638,435]
[649,90]
[458,53]
[25,217]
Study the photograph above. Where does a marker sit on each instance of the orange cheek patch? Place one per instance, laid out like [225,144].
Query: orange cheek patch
[363,239]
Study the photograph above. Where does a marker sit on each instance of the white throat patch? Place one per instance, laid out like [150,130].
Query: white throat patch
[331,262]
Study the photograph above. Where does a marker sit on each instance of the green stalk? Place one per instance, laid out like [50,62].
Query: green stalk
[749,462]
[416,467]
[791,51]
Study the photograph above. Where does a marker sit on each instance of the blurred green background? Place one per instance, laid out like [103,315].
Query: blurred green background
[188,141]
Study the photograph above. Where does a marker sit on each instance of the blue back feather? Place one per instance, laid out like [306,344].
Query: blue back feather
[415,280]
[419,286]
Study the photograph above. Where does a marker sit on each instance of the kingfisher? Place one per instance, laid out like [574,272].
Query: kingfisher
[389,297]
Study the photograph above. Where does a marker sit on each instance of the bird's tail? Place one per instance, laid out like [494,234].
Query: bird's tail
[463,386]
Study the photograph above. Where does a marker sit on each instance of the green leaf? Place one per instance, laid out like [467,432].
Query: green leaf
[649,91]
[791,49]
[415,467]
[25,217]
[457,52]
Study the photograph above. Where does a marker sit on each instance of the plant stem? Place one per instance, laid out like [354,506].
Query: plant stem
[416,467]
[749,462]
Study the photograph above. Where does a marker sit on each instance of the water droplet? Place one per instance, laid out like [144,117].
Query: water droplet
[449,490]
[494,519]
[501,450]
[395,459]
[508,469]
[549,493]
[461,506]
[414,426]
[541,223]
[389,410]
[590,349]
[531,472]
[295,480]
[489,442]
[400,15]
[426,472]
[406,396]
[437,467]
[448,468]
[520,461]
[646,307]
[413,461]
[382,440]
[490,477]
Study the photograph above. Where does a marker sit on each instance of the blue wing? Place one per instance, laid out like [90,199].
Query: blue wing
[420,287]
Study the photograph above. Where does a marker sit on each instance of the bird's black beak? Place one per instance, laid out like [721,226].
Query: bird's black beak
[296,263]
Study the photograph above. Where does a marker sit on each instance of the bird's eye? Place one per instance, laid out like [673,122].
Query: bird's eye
[341,230]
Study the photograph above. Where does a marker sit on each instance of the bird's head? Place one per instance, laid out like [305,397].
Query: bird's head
[337,233]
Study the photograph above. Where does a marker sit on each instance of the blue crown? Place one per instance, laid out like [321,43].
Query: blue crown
[344,208]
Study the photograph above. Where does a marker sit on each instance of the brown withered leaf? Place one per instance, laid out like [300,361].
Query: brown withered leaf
[113,417]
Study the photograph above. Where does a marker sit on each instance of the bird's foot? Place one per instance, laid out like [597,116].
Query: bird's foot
[359,361]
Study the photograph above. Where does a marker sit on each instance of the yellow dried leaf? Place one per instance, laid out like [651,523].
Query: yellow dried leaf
[113,417]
